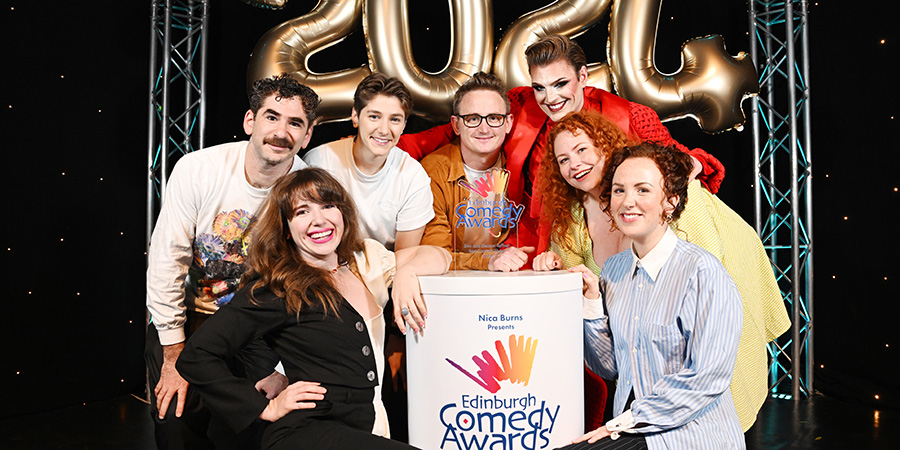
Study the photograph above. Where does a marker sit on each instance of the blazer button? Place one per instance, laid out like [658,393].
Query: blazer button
[366,350]
[360,327]
[371,375]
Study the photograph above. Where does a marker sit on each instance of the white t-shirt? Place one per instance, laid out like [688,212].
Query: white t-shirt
[397,198]
[201,229]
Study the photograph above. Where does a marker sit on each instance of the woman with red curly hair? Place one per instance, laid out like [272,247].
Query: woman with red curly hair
[579,146]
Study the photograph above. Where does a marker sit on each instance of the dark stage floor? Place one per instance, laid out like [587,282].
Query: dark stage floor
[123,423]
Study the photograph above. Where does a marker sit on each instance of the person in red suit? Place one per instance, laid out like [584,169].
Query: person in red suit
[558,69]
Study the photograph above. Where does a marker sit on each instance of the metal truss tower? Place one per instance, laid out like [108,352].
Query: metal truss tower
[177,114]
[779,45]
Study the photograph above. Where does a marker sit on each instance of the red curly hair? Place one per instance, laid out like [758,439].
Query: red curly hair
[558,196]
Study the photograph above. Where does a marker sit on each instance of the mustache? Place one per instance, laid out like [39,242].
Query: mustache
[279,142]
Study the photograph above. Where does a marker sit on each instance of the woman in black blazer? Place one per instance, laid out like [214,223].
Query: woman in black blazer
[314,291]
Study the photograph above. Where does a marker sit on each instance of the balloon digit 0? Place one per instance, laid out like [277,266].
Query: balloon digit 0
[390,52]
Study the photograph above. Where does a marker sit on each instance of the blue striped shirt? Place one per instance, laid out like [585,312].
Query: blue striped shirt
[671,334]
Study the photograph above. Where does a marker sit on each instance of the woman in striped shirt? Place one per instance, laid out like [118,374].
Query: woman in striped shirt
[582,233]
[669,319]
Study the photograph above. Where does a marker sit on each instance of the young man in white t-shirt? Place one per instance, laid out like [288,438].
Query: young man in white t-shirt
[391,189]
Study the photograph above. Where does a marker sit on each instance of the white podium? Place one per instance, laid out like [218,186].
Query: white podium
[500,364]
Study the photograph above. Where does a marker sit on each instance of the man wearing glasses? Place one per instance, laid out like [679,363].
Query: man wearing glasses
[473,218]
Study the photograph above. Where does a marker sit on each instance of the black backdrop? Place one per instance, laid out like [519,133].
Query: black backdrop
[75,173]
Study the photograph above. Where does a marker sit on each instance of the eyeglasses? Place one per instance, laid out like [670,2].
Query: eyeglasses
[474,120]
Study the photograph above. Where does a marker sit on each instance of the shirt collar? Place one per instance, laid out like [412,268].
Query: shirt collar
[456,170]
[653,261]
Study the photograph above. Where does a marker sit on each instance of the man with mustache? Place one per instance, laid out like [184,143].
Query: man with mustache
[198,247]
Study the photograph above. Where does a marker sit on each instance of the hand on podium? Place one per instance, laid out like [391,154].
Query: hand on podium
[509,259]
[547,261]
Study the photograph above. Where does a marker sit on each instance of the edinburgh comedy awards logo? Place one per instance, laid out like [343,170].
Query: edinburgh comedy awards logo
[492,420]
[488,208]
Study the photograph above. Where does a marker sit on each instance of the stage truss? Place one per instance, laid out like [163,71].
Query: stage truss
[177,115]
[781,130]
[779,46]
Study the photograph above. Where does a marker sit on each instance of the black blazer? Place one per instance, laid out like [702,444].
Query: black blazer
[312,346]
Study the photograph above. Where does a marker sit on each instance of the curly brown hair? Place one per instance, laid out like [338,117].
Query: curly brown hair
[674,165]
[558,196]
[273,260]
[284,86]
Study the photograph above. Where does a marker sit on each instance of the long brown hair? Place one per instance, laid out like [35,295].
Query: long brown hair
[558,196]
[273,260]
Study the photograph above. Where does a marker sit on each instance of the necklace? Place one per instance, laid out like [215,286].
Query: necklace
[335,270]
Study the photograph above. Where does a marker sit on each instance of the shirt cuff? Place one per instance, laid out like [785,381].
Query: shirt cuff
[592,309]
[280,368]
[170,336]
[621,424]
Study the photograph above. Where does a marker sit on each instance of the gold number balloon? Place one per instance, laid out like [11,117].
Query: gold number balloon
[387,34]
[709,87]
[566,17]
[287,47]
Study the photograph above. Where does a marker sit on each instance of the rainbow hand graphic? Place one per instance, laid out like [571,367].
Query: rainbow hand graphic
[516,368]
[494,181]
